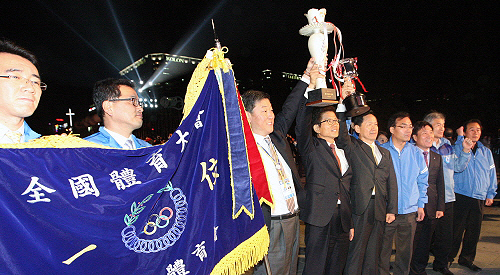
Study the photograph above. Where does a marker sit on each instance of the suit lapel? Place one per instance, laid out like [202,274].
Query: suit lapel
[368,151]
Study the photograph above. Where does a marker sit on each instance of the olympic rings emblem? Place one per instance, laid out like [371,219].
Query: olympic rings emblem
[177,223]
[157,224]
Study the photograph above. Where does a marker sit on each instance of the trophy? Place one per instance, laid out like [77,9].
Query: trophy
[318,31]
[355,103]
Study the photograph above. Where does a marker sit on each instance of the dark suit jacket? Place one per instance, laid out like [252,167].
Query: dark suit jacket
[367,174]
[435,191]
[324,180]
[282,123]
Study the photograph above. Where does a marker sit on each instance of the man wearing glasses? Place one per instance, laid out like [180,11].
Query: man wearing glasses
[412,175]
[327,209]
[118,106]
[20,91]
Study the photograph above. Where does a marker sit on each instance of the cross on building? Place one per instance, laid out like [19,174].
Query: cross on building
[70,114]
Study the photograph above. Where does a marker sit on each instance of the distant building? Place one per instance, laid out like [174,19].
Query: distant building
[162,81]
[277,84]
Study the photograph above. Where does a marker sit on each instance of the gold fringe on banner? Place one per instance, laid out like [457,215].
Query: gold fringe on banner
[245,255]
[69,141]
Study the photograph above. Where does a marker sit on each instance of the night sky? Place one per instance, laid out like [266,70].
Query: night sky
[444,53]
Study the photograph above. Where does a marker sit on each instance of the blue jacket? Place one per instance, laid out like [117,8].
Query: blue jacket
[451,163]
[412,174]
[104,138]
[479,179]
[29,134]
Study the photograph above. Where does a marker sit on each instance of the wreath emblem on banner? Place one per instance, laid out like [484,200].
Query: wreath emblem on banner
[156,222]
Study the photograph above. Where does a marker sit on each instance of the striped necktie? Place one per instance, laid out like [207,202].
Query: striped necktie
[425,157]
[14,136]
[128,144]
[290,203]
[376,161]
[373,152]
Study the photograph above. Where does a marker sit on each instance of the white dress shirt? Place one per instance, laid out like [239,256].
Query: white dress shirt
[121,140]
[343,160]
[4,130]
[280,207]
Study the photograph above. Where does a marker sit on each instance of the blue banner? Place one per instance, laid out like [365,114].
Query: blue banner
[160,210]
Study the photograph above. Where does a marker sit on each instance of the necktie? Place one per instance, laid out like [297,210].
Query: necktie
[128,144]
[14,136]
[336,156]
[373,152]
[290,203]
[425,157]
[376,161]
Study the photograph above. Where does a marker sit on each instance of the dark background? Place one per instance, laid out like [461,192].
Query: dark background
[412,55]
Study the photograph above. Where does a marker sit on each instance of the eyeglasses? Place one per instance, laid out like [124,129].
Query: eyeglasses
[405,127]
[21,80]
[330,121]
[134,100]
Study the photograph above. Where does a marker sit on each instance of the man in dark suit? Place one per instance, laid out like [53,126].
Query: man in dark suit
[284,180]
[374,191]
[423,136]
[327,210]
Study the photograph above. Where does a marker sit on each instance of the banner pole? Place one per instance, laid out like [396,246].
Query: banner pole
[268,267]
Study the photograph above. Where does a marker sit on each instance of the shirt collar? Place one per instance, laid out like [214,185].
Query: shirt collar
[260,139]
[4,130]
[421,149]
[370,144]
[329,144]
[118,138]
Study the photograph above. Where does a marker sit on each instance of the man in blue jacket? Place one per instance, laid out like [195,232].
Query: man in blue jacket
[20,92]
[452,163]
[118,106]
[475,187]
[412,174]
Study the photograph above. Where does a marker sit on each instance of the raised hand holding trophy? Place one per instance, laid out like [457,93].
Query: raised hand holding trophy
[354,102]
[318,31]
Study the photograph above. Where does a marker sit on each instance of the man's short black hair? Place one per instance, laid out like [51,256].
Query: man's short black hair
[419,125]
[318,112]
[399,115]
[474,120]
[7,46]
[251,97]
[358,120]
[108,89]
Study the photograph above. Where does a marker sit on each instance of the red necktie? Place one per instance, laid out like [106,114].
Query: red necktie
[425,157]
[336,156]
